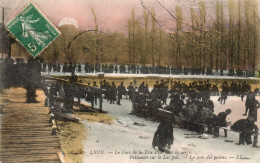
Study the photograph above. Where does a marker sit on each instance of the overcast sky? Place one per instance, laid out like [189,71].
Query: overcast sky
[112,14]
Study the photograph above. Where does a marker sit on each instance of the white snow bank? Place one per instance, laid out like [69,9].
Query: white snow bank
[150,75]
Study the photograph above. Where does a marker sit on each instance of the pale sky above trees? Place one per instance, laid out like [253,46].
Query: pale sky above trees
[111,14]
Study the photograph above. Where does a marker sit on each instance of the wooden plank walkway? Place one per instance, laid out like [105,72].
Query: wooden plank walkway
[26,133]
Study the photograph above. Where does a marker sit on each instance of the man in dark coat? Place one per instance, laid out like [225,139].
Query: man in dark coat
[69,96]
[130,91]
[156,85]
[156,106]
[54,89]
[58,67]
[221,122]
[142,88]
[79,92]
[243,90]
[96,91]
[116,69]
[176,104]
[207,103]
[112,93]
[79,67]
[252,105]
[247,128]
[163,136]
[90,95]
[120,91]
[224,93]
[53,92]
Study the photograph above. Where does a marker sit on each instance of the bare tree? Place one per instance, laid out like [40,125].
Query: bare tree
[202,11]
[238,34]
[133,24]
[231,32]
[255,59]
[129,42]
[153,36]
[98,43]
[146,22]
[179,17]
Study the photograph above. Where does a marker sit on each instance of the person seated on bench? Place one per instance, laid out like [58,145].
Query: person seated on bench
[221,122]
[247,128]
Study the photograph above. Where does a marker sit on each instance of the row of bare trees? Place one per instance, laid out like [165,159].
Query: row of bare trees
[224,42]
[220,34]
[144,44]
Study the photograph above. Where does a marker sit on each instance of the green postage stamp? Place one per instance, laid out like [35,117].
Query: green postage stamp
[33,30]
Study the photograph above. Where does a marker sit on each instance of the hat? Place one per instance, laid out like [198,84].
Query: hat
[228,111]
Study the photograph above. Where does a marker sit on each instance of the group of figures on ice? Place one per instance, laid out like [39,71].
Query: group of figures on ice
[190,105]
[191,108]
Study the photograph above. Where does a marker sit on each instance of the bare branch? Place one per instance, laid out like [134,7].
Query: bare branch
[170,34]
[174,17]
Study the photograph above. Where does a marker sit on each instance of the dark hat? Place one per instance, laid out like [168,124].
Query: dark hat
[228,111]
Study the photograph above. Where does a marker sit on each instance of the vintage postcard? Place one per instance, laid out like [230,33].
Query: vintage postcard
[138,81]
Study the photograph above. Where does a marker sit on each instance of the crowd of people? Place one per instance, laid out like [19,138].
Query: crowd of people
[129,69]
[190,104]
[192,108]
[142,69]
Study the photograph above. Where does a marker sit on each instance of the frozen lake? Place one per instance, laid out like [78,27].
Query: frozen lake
[122,141]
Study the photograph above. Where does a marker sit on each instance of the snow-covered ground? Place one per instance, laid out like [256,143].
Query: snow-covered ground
[125,142]
[149,75]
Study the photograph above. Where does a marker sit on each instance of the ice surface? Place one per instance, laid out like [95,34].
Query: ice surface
[124,136]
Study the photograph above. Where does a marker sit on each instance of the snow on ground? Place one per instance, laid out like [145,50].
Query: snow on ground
[123,141]
[149,75]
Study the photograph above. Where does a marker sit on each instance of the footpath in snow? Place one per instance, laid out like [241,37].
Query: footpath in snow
[129,139]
